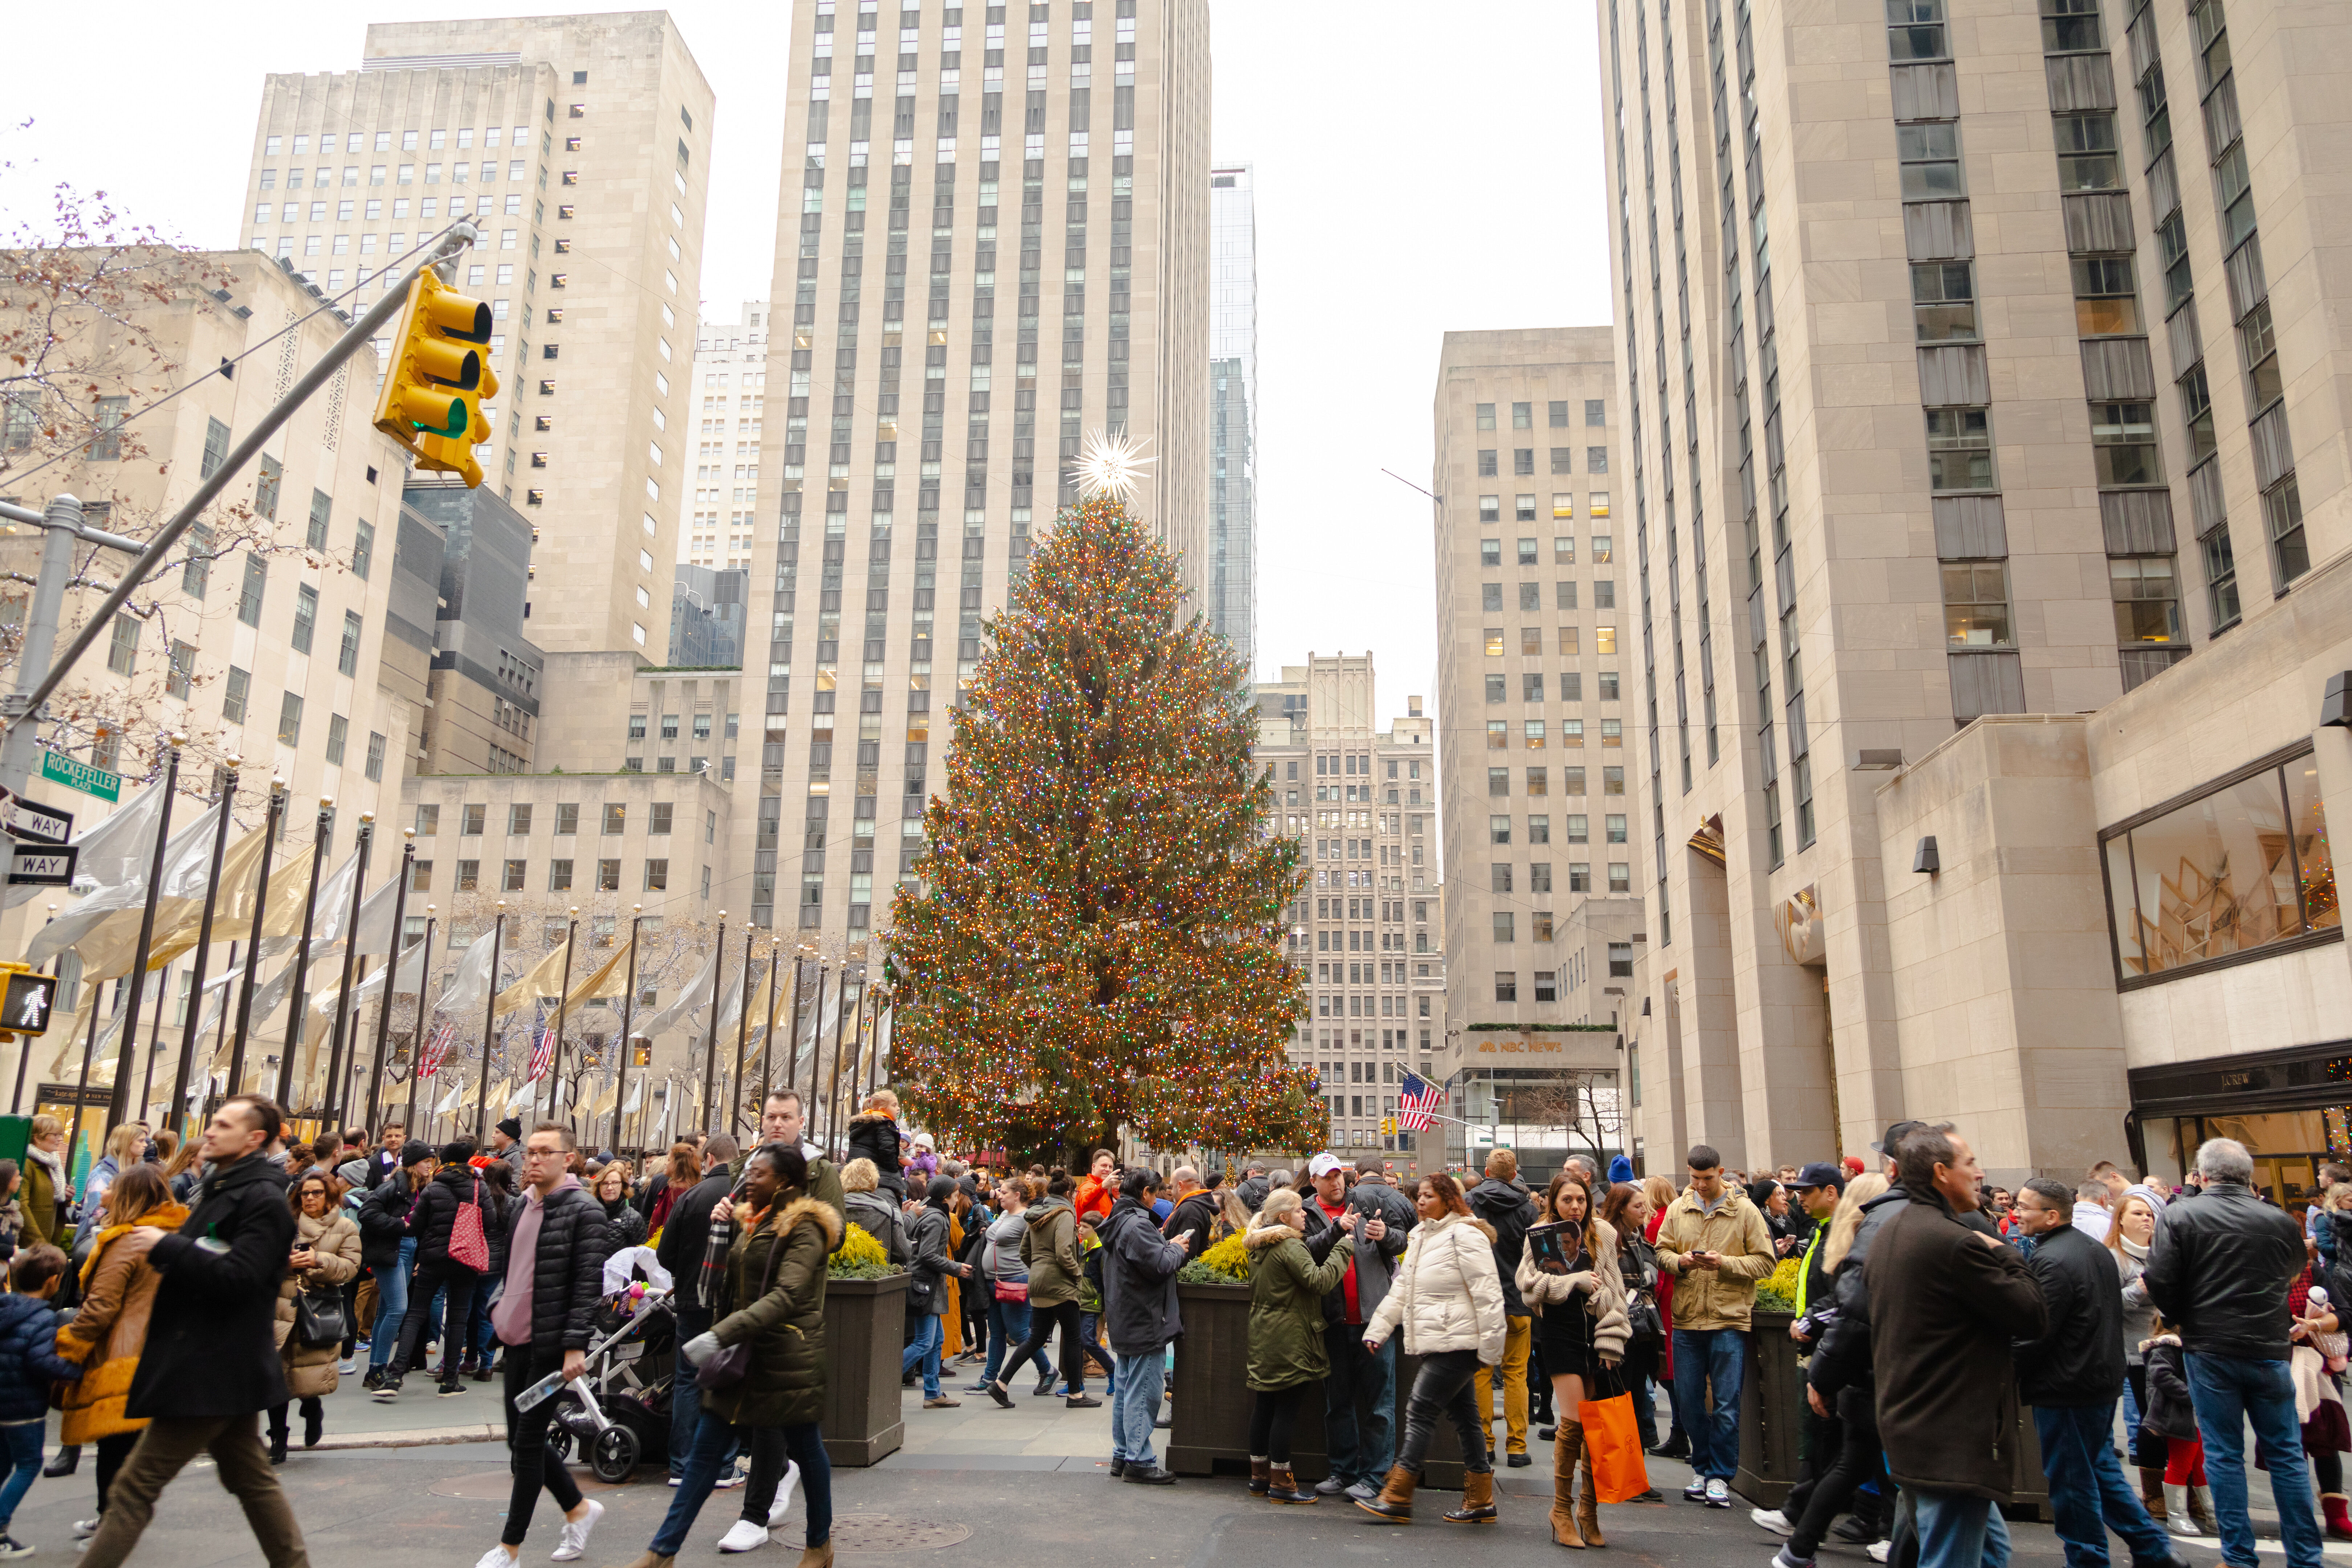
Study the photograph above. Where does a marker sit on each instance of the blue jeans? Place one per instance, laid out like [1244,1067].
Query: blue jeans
[391,1305]
[2088,1494]
[2228,1392]
[1008,1325]
[24,1438]
[715,1443]
[1959,1530]
[1715,1358]
[1365,1455]
[686,1402]
[1135,1407]
[924,1352]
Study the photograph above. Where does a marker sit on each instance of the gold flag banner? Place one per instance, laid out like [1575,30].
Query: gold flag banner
[545,979]
[609,981]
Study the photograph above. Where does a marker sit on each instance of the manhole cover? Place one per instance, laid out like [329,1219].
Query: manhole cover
[884,1532]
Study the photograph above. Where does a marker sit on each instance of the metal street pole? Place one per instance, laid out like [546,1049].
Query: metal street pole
[768,1039]
[628,1014]
[742,1033]
[270,824]
[562,994]
[832,1086]
[81,1088]
[63,524]
[223,790]
[490,1017]
[424,1021]
[710,1032]
[15,756]
[319,845]
[816,1044]
[118,1107]
[332,1096]
[391,978]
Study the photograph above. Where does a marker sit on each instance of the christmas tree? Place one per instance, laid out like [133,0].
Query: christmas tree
[1098,942]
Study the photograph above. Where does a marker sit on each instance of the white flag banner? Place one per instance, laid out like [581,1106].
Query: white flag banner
[449,1101]
[690,1001]
[375,928]
[113,852]
[333,908]
[107,946]
[411,980]
[469,983]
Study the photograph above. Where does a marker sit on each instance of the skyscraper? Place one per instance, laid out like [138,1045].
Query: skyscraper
[730,378]
[1533,684]
[946,424]
[579,146]
[1233,410]
[1971,577]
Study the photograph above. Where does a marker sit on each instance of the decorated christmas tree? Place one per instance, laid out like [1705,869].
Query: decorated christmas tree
[1098,942]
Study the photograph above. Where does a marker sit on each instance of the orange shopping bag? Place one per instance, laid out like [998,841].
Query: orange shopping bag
[1612,1445]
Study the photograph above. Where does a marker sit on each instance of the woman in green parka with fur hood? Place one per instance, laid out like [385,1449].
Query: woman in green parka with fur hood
[1287,1356]
[775,1277]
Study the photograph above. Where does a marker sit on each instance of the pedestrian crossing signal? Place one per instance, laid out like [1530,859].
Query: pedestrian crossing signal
[27,1000]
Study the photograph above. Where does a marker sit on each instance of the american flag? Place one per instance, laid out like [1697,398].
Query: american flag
[436,1051]
[1420,1098]
[543,1048]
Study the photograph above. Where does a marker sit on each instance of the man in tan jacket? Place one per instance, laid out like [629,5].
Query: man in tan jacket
[1716,1244]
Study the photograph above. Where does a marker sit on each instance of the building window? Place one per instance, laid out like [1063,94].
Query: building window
[472,820]
[2148,599]
[2282,515]
[347,658]
[1976,604]
[338,731]
[2071,27]
[2242,864]
[2106,302]
[363,548]
[1959,450]
[248,599]
[2123,442]
[608,876]
[306,617]
[290,720]
[2258,351]
[375,757]
[106,446]
[1506,985]
[122,651]
[1915,31]
[657,876]
[1944,301]
[178,681]
[515,872]
[1930,157]
[558,876]
[2087,150]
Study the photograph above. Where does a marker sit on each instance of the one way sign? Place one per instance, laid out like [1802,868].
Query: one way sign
[26,819]
[41,865]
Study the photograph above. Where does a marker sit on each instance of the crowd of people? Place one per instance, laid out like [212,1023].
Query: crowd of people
[191,1299]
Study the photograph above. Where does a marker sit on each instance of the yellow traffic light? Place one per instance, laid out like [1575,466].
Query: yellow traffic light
[1388,1126]
[433,388]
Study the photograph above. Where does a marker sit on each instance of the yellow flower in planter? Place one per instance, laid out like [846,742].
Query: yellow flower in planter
[859,1257]
[1226,1263]
[1776,1291]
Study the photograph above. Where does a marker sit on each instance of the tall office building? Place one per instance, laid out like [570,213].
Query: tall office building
[1534,684]
[1960,377]
[1233,410]
[1100,182]
[579,146]
[730,378]
[1366,931]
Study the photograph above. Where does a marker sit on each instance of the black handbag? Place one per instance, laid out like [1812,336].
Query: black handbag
[731,1364]
[318,1318]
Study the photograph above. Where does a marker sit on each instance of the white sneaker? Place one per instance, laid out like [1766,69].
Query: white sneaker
[728,1480]
[1880,1550]
[784,1494]
[85,1528]
[742,1537]
[498,1556]
[574,1540]
[1717,1494]
[1773,1519]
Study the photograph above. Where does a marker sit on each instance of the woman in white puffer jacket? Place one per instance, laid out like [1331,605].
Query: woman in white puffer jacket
[1449,1299]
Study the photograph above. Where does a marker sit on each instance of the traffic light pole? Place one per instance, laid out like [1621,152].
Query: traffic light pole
[18,751]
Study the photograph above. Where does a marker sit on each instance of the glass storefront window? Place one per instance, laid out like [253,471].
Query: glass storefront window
[2244,866]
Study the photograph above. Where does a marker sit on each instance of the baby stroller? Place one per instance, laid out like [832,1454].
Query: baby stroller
[617,1412]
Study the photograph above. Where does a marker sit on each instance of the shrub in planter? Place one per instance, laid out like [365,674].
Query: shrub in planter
[865,1308]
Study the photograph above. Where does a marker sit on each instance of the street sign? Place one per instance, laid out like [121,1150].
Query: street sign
[81,776]
[34,865]
[26,820]
[27,1002]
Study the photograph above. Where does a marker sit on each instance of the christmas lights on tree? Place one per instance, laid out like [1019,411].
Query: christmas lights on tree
[1098,942]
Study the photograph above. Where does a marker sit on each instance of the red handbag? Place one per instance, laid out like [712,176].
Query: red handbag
[468,1247]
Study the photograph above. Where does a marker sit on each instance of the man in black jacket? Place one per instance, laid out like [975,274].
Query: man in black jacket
[1360,1453]
[389,1252]
[210,1365]
[1946,1301]
[1195,1214]
[546,1317]
[2218,1269]
[1140,1313]
[685,1237]
[2072,1375]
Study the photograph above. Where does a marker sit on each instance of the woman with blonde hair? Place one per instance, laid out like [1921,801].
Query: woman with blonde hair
[1288,1352]
[1578,1301]
[45,1179]
[2128,1235]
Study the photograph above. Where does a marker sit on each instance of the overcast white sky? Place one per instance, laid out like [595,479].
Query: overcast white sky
[1416,173]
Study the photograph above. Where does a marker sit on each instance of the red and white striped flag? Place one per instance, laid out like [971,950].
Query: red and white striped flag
[1418,1098]
[436,1051]
[542,1050]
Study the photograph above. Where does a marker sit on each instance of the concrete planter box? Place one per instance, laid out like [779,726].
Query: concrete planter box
[863,1334]
[1771,1416]
[1212,1399]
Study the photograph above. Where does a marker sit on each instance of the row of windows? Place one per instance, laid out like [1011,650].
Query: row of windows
[1596,413]
[513,877]
[1538,781]
[1565,594]
[473,819]
[1570,642]
[669,726]
[1563,505]
[1527,551]
[1570,686]
[358,142]
[1535,732]
[1523,460]
[1961,447]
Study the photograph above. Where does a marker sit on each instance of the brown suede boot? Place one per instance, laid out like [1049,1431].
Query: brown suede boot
[2151,1491]
[1477,1500]
[1587,1505]
[811,1557]
[1394,1505]
[1283,1486]
[1261,1474]
[1567,1446]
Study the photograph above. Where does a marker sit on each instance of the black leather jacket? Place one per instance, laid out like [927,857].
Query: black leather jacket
[2219,1267]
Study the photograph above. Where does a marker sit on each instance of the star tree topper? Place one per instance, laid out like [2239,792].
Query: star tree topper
[1111,463]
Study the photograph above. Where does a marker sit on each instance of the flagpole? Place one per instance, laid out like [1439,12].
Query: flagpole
[155,1045]
[223,790]
[118,1105]
[768,1039]
[81,1090]
[333,1096]
[272,820]
[220,1035]
[832,1086]
[489,1017]
[562,994]
[319,847]
[424,1021]
[742,1033]
[391,978]
[710,1031]
[628,1045]
[816,1042]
